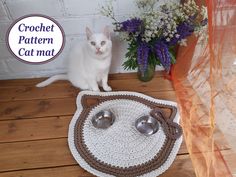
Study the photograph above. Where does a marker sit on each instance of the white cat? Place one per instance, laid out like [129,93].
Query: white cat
[89,63]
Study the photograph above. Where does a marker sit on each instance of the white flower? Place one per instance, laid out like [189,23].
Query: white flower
[148,34]
[160,21]
[165,34]
[177,35]
[204,12]
[147,39]
[183,42]
[168,26]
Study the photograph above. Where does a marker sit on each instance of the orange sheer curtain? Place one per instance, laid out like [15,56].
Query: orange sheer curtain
[204,78]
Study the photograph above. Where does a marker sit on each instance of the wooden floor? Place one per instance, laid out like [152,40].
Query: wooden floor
[34,125]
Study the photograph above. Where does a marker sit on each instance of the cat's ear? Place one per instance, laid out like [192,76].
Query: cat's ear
[88,33]
[106,32]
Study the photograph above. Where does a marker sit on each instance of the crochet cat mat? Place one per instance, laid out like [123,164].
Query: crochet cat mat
[121,150]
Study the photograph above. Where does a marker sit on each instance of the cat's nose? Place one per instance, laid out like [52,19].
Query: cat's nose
[98,48]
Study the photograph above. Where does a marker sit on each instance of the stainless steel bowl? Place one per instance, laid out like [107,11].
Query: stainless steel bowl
[147,125]
[103,119]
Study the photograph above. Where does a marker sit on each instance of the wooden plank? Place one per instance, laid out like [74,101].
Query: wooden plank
[52,107]
[67,90]
[155,85]
[34,129]
[163,95]
[34,81]
[32,92]
[35,154]
[20,82]
[38,154]
[132,75]
[28,82]
[68,171]
[37,108]
[181,167]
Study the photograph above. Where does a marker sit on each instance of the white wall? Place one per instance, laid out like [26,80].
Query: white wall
[74,16]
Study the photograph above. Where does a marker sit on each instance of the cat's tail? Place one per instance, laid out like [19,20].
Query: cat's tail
[52,79]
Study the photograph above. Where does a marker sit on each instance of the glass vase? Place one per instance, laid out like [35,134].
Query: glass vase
[148,74]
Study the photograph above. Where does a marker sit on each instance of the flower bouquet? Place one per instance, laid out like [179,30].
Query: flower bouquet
[154,32]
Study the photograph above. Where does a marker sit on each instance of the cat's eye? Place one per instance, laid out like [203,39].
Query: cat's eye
[103,42]
[93,43]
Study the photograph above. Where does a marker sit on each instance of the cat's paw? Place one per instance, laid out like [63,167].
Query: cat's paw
[96,89]
[107,88]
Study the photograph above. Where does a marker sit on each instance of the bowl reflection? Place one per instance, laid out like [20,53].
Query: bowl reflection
[147,125]
[103,119]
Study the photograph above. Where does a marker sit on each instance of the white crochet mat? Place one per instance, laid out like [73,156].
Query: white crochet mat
[121,150]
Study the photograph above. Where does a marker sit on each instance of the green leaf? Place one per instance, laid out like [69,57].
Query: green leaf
[152,59]
[172,55]
[130,64]
[131,56]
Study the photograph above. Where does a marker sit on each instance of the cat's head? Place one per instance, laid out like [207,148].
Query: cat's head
[99,43]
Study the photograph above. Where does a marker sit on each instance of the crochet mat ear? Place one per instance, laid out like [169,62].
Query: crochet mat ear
[121,150]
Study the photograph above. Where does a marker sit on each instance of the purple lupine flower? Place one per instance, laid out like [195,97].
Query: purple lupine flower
[133,25]
[142,53]
[162,52]
[183,30]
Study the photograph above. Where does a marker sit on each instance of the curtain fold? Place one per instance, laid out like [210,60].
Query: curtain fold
[204,78]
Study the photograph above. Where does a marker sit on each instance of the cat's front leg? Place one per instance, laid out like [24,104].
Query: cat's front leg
[94,86]
[105,86]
